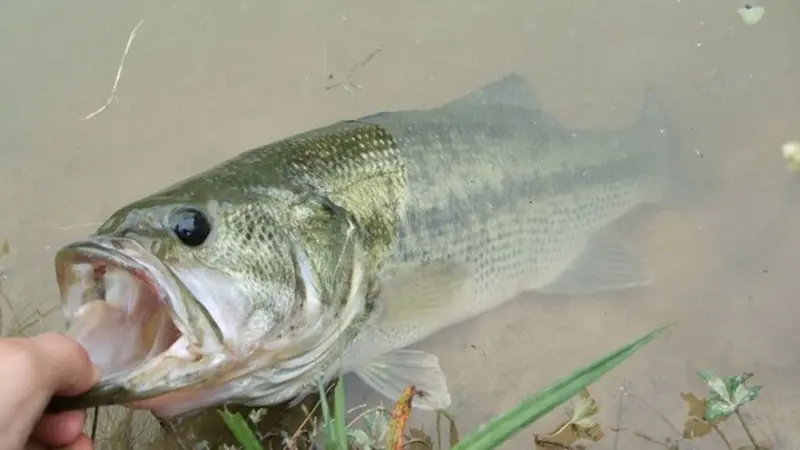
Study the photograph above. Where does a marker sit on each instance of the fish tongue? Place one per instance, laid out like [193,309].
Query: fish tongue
[91,316]
[102,330]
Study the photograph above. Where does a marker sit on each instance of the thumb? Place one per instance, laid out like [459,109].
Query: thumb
[67,368]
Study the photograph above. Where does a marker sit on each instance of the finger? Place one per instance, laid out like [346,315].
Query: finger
[35,446]
[81,443]
[68,369]
[59,429]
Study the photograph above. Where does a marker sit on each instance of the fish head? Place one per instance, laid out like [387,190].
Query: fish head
[183,304]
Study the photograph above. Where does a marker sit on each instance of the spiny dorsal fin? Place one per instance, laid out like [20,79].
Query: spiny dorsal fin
[511,90]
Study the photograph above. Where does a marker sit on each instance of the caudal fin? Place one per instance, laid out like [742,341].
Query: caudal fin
[653,133]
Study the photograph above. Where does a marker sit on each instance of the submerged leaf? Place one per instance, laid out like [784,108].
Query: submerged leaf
[696,425]
[697,406]
[376,424]
[584,408]
[453,435]
[419,440]
[360,439]
[726,395]
[717,409]
[581,425]
[716,385]
[696,428]
[744,394]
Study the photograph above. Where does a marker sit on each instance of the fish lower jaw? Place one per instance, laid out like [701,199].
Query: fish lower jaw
[127,322]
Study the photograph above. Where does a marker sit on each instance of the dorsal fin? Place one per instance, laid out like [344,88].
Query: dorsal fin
[511,90]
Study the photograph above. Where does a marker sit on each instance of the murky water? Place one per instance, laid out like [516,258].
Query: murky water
[206,80]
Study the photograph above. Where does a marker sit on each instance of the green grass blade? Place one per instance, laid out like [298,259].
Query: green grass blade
[328,431]
[334,422]
[495,432]
[240,430]
[339,415]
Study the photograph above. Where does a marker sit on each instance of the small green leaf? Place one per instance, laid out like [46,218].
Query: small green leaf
[716,409]
[377,424]
[240,430]
[359,439]
[727,394]
[716,385]
[733,383]
[743,394]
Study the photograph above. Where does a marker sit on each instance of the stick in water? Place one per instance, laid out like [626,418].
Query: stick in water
[113,94]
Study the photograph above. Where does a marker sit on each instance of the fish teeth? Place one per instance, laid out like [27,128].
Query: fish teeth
[77,288]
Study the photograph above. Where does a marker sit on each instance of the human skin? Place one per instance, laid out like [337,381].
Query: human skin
[32,370]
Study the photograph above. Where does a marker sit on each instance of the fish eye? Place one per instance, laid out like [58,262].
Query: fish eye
[191,226]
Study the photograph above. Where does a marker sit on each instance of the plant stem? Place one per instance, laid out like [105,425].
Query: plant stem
[94,423]
[538,442]
[651,440]
[722,436]
[746,430]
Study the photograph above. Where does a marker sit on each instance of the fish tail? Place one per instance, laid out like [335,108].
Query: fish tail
[654,134]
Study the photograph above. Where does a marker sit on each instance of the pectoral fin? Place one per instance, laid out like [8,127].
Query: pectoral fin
[391,373]
[423,297]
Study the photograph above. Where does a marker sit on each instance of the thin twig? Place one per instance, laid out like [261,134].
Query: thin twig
[647,438]
[309,415]
[364,414]
[540,442]
[746,430]
[622,392]
[722,436]
[348,84]
[79,225]
[113,94]
[654,410]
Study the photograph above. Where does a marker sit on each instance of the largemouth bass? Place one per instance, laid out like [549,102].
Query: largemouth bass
[334,250]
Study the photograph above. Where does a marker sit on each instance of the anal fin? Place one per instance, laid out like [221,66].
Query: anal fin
[608,262]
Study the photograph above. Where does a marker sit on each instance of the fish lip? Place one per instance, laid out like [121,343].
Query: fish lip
[189,317]
[142,379]
[117,252]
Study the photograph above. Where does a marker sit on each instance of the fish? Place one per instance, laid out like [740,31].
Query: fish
[335,250]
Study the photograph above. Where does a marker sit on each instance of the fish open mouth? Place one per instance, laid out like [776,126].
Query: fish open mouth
[116,302]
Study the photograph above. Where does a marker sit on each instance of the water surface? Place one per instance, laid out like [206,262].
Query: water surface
[206,80]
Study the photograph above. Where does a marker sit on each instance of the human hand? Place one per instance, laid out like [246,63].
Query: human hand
[32,370]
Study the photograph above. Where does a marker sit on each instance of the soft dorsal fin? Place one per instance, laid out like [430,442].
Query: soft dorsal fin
[511,90]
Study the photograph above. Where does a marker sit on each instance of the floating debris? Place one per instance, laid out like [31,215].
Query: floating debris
[791,153]
[751,14]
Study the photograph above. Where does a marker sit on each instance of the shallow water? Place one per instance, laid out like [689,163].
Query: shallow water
[206,80]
